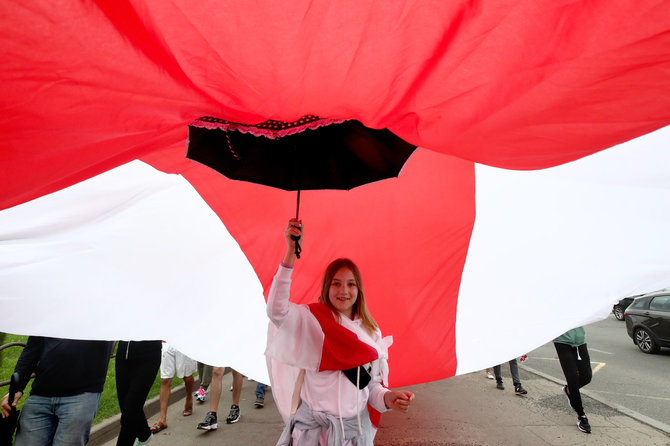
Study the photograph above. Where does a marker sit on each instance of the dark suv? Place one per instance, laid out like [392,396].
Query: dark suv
[620,307]
[648,321]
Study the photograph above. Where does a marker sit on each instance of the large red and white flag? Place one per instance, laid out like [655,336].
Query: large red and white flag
[107,231]
[463,264]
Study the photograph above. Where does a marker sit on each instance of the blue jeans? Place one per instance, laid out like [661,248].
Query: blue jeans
[260,390]
[58,421]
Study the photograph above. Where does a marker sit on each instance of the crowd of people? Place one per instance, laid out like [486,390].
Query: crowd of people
[331,393]
[69,377]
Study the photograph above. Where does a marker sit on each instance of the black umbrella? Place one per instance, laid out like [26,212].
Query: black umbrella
[8,425]
[307,154]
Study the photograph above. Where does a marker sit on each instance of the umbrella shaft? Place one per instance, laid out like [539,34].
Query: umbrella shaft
[297,206]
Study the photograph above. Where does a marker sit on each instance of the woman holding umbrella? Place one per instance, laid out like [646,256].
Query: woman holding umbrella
[339,350]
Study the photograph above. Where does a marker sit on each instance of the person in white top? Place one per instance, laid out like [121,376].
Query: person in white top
[333,398]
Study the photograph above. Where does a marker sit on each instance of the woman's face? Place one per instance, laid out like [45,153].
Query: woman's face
[343,291]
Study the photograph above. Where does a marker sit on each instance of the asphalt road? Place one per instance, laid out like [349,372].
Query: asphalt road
[622,374]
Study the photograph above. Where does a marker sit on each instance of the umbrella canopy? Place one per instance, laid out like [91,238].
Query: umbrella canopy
[307,154]
[310,153]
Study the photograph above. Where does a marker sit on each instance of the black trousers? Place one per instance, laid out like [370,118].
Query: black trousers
[137,365]
[576,366]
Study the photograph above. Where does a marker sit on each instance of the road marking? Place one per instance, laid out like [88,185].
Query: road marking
[661,398]
[600,351]
[599,365]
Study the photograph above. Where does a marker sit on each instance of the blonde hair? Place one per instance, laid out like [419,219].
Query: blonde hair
[360,308]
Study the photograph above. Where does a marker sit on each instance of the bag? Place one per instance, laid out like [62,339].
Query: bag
[363,379]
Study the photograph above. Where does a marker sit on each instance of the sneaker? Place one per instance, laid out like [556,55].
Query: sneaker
[519,390]
[489,375]
[209,423]
[583,424]
[499,385]
[234,415]
[567,395]
[260,402]
[142,443]
[200,395]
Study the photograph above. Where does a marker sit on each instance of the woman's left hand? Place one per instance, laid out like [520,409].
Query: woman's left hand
[398,399]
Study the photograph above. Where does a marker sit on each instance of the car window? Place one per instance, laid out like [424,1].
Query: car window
[638,303]
[660,303]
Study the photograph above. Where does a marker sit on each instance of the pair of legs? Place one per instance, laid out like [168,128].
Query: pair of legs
[576,365]
[260,395]
[217,384]
[134,377]
[215,388]
[64,421]
[205,374]
[513,369]
[173,363]
[260,390]
[165,398]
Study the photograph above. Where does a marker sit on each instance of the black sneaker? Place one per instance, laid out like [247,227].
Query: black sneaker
[499,385]
[519,390]
[234,415]
[260,402]
[209,423]
[583,424]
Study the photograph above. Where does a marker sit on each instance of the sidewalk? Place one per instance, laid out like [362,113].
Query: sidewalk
[464,410]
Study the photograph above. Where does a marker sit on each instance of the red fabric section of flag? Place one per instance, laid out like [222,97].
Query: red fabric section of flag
[342,349]
[409,237]
[93,85]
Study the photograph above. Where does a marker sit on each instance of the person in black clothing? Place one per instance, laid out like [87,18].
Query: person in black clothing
[70,376]
[137,364]
[573,356]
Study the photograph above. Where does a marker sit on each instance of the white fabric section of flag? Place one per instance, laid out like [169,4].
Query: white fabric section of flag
[554,249]
[133,253]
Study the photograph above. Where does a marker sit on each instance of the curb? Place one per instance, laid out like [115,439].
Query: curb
[109,428]
[631,413]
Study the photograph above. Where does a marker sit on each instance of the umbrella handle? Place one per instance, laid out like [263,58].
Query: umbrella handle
[298,249]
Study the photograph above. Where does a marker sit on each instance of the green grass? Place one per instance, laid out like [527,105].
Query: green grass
[109,403]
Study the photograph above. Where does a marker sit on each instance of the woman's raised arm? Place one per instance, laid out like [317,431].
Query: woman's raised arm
[278,297]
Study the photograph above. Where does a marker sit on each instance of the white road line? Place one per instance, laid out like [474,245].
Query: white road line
[600,351]
[660,398]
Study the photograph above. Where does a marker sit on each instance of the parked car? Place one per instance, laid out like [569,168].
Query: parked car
[648,321]
[620,307]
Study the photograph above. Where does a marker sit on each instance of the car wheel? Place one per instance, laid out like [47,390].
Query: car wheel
[618,312]
[645,342]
